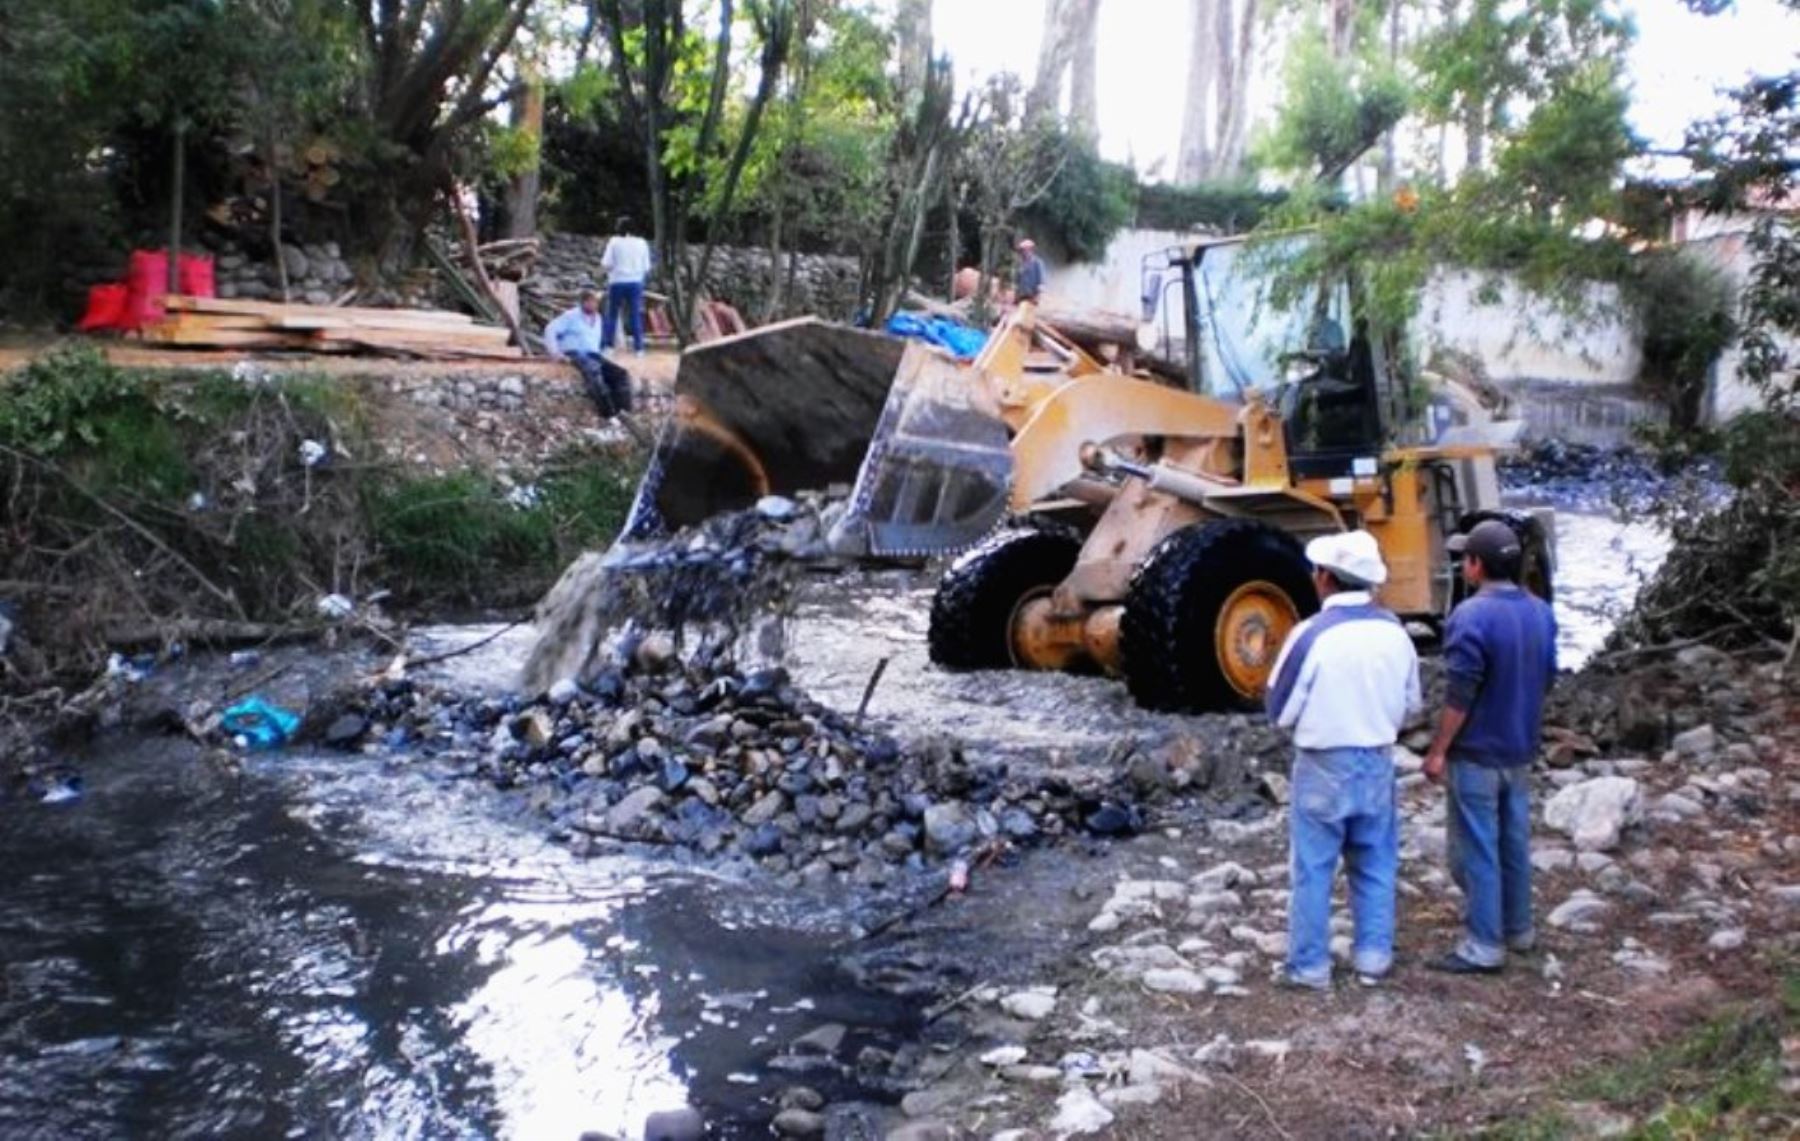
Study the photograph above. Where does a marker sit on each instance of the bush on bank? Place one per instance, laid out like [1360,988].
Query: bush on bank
[142,507]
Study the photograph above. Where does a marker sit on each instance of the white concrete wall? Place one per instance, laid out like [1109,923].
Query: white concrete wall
[1527,343]
[1115,283]
[1730,393]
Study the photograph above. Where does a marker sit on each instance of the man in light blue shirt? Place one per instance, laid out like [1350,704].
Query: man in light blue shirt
[626,261]
[575,337]
[1344,684]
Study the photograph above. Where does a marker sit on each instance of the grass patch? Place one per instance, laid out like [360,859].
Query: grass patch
[1722,1079]
[472,537]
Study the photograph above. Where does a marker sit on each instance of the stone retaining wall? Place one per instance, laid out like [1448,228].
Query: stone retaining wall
[824,285]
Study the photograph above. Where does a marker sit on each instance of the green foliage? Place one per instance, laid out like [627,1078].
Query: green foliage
[1334,110]
[512,151]
[1228,207]
[1565,160]
[1684,311]
[467,535]
[1088,202]
[59,400]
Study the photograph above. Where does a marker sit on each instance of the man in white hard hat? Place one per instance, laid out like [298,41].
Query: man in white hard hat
[1344,685]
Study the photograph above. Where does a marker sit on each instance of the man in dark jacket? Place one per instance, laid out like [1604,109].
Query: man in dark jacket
[1500,654]
[1029,285]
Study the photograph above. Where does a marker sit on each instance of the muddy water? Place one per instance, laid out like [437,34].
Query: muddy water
[845,628]
[353,947]
[370,946]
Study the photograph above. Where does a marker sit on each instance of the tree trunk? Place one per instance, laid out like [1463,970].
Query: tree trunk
[1340,28]
[522,191]
[1388,163]
[1068,50]
[274,165]
[912,26]
[1475,137]
[1194,160]
[1084,95]
[177,189]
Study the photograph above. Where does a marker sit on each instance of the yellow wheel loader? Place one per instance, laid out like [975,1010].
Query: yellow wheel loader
[1162,527]
[1156,529]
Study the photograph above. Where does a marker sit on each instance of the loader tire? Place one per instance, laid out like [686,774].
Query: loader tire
[1207,612]
[972,612]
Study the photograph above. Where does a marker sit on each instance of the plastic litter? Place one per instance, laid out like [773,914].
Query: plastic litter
[242,658]
[62,791]
[256,723]
[130,669]
[336,606]
[962,341]
[312,453]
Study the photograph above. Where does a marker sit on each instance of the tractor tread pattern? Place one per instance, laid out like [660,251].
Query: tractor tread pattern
[1173,602]
[974,602]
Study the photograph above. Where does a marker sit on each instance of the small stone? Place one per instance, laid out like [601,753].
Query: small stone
[1787,894]
[1552,859]
[1696,744]
[767,808]
[1114,819]
[853,818]
[1174,980]
[1031,1075]
[563,692]
[1078,1111]
[346,731]
[1131,1095]
[798,1122]
[630,814]
[948,828]
[655,653]
[1728,939]
[1595,812]
[926,1102]
[1579,911]
[1004,1056]
[824,1040]
[1031,1005]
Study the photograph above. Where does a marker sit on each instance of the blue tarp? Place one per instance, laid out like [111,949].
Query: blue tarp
[962,341]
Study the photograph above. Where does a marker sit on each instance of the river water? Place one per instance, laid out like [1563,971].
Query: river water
[299,944]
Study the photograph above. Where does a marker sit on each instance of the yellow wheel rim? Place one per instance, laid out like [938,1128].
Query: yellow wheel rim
[1253,624]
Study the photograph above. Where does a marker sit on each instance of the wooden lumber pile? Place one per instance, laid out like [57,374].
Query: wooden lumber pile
[211,322]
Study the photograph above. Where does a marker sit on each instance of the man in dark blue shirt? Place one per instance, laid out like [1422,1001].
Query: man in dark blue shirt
[1500,653]
[1030,283]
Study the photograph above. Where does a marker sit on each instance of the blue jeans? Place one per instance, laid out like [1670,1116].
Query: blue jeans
[629,294]
[1489,826]
[1342,805]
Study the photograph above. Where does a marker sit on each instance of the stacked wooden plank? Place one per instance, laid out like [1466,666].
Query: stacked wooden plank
[212,322]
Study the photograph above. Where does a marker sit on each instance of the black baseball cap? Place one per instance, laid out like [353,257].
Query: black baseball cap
[1491,541]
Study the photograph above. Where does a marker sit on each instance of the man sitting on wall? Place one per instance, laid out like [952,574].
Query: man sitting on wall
[575,337]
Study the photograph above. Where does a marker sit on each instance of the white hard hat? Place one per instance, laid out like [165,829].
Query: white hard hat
[1352,554]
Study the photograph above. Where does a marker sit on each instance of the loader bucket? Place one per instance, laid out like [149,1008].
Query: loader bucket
[778,410]
[939,466]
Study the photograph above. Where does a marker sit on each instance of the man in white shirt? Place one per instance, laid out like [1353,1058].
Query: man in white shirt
[1344,685]
[626,261]
[575,337]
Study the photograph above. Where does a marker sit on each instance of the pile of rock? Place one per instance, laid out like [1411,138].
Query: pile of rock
[729,763]
[316,274]
[1586,477]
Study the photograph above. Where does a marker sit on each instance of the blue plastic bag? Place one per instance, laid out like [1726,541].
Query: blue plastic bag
[962,341]
[259,724]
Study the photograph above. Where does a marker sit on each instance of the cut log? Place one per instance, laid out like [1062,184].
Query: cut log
[1091,328]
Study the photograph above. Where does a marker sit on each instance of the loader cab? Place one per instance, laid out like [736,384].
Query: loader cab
[1300,347]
